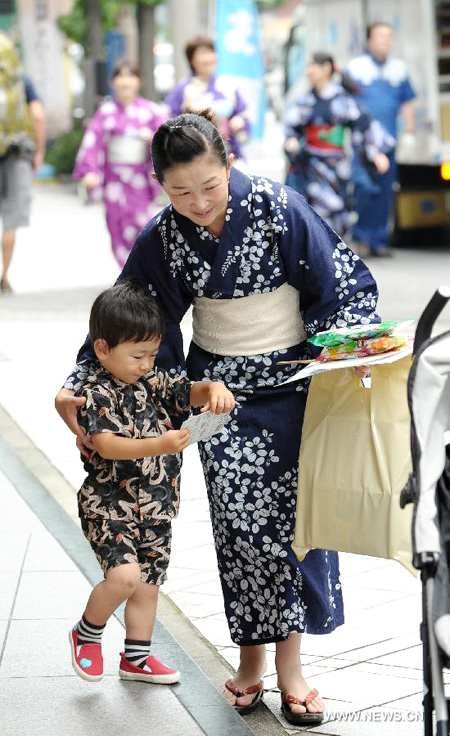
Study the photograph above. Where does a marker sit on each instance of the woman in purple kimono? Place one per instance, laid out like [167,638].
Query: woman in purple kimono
[115,154]
[263,271]
[204,90]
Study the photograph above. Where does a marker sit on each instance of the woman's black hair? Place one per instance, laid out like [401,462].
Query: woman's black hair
[321,57]
[180,140]
[125,312]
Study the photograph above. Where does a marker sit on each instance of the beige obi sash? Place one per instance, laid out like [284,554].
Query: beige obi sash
[249,325]
[127,149]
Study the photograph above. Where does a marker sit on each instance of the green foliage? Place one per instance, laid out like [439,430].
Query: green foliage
[145,2]
[269,3]
[62,152]
[74,25]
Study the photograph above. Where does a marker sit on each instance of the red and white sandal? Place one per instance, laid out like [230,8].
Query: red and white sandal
[245,709]
[300,719]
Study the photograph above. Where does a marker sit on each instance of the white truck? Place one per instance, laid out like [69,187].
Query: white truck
[422,40]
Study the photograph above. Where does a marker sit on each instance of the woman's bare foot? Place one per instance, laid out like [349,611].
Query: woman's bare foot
[251,670]
[295,684]
[290,678]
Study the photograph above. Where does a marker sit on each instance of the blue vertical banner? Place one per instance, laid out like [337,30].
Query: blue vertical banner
[115,50]
[238,43]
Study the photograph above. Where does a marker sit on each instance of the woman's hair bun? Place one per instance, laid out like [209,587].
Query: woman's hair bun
[206,113]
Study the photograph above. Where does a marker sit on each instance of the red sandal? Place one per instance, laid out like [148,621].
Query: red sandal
[300,719]
[245,709]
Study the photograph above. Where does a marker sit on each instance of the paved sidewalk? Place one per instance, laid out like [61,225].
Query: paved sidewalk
[370,667]
[43,591]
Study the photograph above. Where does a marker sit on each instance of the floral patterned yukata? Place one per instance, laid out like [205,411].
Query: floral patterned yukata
[271,237]
[128,189]
[322,168]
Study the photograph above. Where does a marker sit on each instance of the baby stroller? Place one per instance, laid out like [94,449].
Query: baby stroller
[429,490]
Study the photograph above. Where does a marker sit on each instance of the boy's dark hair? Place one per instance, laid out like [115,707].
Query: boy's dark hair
[377,24]
[125,312]
[180,140]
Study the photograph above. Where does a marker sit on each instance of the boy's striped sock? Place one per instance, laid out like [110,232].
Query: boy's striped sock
[137,651]
[89,633]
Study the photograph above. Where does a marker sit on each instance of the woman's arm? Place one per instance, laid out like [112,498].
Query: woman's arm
[369,138]
[113,447]
[88,159]
[336,287]
[148,265]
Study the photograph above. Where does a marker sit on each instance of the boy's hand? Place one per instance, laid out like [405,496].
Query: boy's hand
[173,441]
[220,399]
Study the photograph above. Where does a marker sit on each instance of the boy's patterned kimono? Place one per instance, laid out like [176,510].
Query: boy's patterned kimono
[126,506]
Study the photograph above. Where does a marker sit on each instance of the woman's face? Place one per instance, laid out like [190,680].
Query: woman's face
[126,85]
[204,62]
[318,74]
[199,190]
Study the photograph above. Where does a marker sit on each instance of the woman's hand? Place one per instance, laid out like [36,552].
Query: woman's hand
[146,134]
[362,370]
[382,163]
[91,180]
[220,399]
[236,123]
[66,404]
[292,145]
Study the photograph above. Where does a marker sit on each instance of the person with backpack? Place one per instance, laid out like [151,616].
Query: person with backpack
[22,144]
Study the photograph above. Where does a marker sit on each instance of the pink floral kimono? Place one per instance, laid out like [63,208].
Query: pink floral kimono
[116,146]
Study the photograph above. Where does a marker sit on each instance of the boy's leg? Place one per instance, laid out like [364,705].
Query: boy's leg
[140,612]
[119,584]
[85,637]
[136,661]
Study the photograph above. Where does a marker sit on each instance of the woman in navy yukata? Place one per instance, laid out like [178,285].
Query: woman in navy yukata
[316,125]
[263,271]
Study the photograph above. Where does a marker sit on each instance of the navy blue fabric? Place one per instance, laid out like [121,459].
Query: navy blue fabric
[322,176]
[373,201]
[30,92]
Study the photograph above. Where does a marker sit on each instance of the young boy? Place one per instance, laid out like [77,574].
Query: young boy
[131,492]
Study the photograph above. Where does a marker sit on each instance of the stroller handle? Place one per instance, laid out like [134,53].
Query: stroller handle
[430,315]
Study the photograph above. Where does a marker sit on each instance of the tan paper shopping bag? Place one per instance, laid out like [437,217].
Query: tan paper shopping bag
[354,461]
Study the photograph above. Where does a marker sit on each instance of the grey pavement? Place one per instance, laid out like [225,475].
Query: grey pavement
[368,671]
